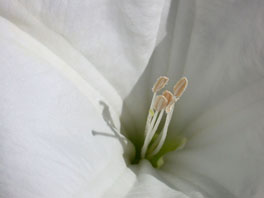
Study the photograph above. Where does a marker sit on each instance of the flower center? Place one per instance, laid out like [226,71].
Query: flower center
[161,106]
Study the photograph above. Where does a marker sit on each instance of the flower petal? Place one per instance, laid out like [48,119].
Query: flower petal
[118,37]
[224,154]
[149,184]
[59,136]
[218,46]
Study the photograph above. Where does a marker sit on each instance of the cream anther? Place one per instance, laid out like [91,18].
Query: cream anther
[160,83]
[180,87]
[160,103]
[170,106]
[167,94]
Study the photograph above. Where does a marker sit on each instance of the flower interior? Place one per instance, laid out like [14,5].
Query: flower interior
[156,130]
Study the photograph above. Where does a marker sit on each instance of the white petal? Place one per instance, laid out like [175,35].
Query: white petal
[116,36]
[218,45]
[57,138]
[149,184]
[224,155]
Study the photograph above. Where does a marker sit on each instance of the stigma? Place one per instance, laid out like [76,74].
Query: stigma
[162,105]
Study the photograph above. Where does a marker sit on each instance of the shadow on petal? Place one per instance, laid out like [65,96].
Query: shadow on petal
[126,145]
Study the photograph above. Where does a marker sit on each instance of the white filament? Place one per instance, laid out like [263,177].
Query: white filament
[151,131]
[149,113]
[163,134]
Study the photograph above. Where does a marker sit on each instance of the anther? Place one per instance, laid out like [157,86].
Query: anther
[180,87]
[170,105]
[160,83]
[168,95]
[160,103]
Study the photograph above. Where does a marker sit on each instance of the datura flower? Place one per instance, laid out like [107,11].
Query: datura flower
[75,99]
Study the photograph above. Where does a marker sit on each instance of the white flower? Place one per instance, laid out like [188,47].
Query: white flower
[71,70]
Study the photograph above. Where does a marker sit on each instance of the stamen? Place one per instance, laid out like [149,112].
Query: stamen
[180,87]
[162,136]
[160,104]
[160,83]
[170,106]
[167,94]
